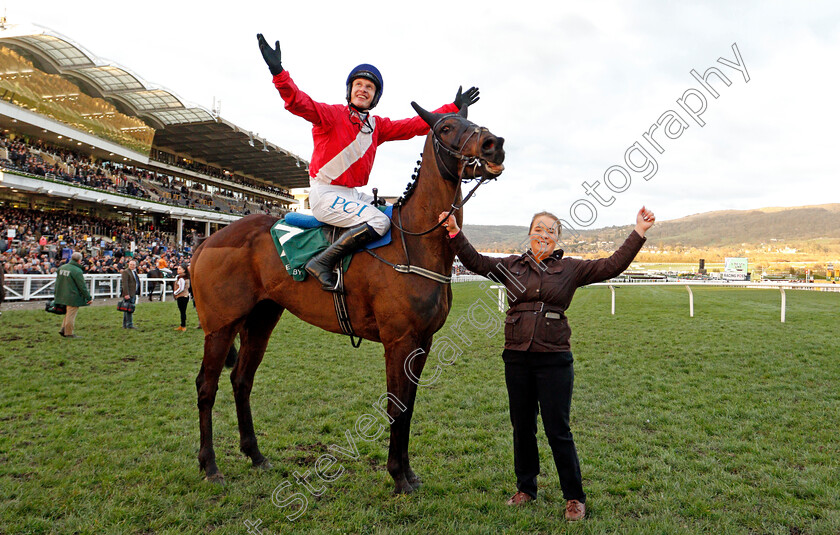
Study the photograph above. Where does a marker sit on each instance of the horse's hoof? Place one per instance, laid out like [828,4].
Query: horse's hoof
[216,479]
[263,465]
[415,482]
[403,488]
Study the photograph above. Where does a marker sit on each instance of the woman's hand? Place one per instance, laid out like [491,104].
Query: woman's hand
[644,220]
[450,224]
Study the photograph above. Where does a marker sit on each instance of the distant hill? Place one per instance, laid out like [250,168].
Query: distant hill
[719,229]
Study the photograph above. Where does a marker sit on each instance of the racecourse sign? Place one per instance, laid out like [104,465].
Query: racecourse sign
[735,265]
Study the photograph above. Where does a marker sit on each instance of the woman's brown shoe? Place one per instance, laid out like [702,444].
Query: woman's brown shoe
[519,498]
[575,510]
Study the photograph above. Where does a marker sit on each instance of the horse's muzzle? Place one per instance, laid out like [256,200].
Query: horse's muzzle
[492,155]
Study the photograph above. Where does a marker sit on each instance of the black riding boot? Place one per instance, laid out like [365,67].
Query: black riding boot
[321,267]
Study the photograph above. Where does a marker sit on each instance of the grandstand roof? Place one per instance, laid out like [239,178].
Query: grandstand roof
[180,126]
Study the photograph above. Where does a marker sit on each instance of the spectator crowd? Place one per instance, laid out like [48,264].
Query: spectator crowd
[44,241]
[56,163]
[216,173]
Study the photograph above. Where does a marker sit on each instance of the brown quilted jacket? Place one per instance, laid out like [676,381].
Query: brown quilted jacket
[540,293]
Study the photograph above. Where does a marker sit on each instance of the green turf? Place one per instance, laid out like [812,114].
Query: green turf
[721,423]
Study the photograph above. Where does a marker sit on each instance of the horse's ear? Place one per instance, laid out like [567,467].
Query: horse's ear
[463,111]
[425,115]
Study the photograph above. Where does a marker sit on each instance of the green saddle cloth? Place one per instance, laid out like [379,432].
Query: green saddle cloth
[297,245]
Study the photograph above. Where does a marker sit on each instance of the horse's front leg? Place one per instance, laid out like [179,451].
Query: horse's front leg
[404,364]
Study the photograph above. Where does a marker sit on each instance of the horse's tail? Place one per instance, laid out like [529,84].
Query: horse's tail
[233,353]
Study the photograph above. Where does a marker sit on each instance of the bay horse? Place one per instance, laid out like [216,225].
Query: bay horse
[241,287]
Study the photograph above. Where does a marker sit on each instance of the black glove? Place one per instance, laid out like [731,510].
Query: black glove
[270,55]
[468,98]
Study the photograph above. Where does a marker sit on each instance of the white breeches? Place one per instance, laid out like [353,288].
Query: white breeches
[346,207]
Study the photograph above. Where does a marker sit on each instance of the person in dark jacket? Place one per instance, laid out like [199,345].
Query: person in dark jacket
[71,290]
[155,273]
[538,360]
[2,284]
[130,291]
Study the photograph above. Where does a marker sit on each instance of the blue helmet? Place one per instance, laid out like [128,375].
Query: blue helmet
[368,72]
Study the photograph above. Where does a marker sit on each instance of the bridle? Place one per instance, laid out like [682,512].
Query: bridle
[457,155]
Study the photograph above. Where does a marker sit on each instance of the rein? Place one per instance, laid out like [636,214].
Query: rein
[455,207]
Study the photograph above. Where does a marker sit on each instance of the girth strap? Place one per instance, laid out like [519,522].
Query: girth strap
[341,311]
[404,268]
[401,268]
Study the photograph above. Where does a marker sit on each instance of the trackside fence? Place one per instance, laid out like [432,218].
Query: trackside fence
[32,287]
[780,286]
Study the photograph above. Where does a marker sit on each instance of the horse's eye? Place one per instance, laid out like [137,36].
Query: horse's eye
[445,130]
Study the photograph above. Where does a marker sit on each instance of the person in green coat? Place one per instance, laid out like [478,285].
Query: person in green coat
[70,290]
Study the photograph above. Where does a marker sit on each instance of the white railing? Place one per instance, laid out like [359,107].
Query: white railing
[781,286]
[468,277]
[31,287]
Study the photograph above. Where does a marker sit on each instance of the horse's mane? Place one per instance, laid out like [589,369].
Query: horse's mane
[412,184]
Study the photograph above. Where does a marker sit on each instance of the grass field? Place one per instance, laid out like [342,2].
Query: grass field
[722,423]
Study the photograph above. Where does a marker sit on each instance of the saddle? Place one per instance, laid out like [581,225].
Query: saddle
[299,237]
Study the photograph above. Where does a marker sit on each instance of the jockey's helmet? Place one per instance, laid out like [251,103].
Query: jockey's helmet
[368,72]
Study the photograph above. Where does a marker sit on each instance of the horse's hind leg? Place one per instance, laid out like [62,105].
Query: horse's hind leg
[253,340]
[216,346]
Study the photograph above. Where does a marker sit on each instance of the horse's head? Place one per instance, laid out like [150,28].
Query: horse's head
[462,149]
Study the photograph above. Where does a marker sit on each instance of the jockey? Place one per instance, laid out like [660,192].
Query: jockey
[346,138]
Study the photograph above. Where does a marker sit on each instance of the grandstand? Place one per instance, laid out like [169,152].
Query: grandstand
[85,136]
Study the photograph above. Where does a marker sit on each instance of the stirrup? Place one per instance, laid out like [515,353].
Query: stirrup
[339,281]
[326,286]
[338,288]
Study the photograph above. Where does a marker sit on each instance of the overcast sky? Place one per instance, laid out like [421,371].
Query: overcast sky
[570,87]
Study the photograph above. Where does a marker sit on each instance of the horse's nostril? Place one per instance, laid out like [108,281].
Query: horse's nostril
[489,145]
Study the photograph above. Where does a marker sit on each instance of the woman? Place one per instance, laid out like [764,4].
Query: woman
[182,295]
[538,360]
